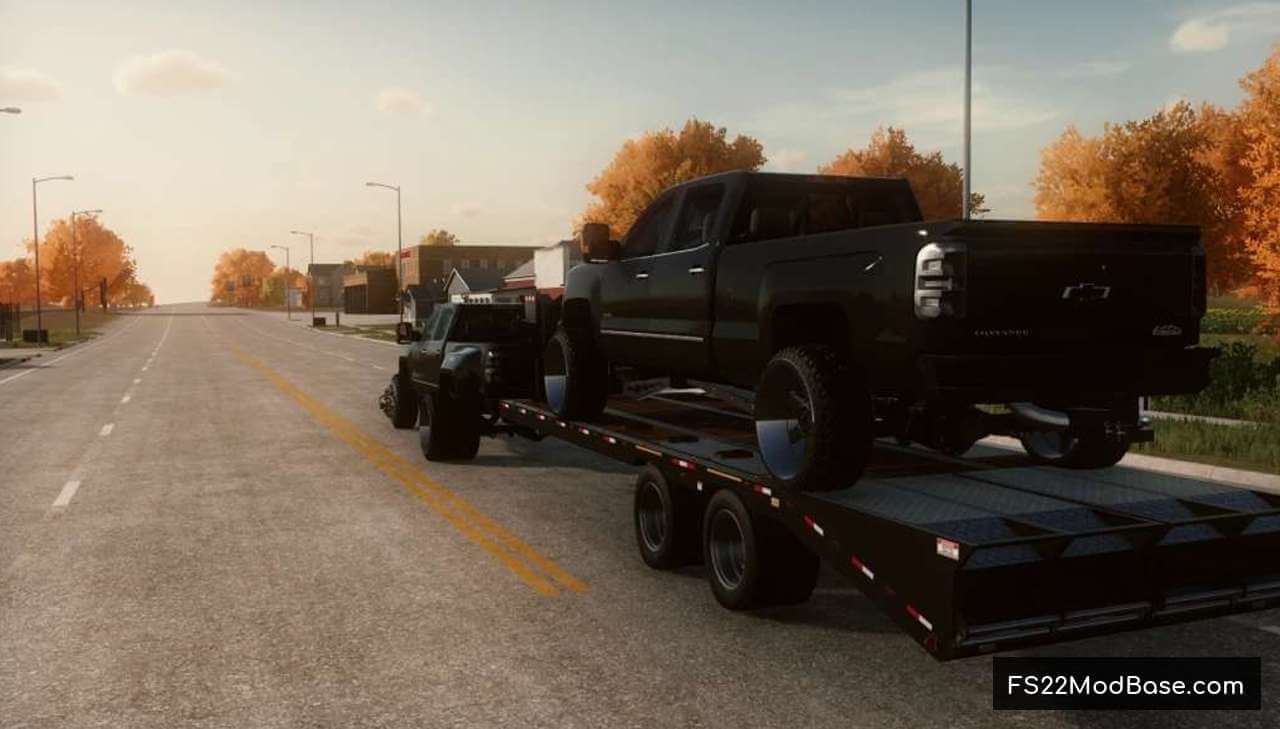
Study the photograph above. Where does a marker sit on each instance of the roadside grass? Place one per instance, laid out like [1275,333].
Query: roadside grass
[1246,447]
[384,332]
[61,325]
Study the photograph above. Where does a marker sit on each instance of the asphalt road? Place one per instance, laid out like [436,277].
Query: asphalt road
[206,521]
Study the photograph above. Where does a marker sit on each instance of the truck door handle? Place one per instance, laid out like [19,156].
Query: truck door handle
[695,270]
[642,275]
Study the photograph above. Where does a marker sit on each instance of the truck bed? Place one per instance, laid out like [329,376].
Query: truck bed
[977,554]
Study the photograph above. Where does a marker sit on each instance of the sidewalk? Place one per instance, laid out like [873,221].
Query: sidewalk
[10,356]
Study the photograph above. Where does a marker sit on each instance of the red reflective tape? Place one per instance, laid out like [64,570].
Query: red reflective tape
[809,522]
[584,431]
[610,440]
[762,489]
[682,463]
[911,610]
[857,563]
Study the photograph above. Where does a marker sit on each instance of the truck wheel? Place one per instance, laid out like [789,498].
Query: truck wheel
[447,429]
[575,376]
[666,520]
[1057,448]
[753,562]
[813,420]
[403,403]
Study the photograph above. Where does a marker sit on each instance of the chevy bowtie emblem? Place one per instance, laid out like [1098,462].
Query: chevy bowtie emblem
[1086,292]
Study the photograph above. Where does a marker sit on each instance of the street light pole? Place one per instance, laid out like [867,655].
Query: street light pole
[968,103]
[399,247]
[311,279]
[288,306]
[75,261]
[35,242]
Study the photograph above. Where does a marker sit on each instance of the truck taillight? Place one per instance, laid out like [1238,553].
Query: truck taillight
[940,274]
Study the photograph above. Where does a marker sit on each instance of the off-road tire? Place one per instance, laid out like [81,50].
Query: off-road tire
[404,402]
[448,428]
[828,448]
[575,375]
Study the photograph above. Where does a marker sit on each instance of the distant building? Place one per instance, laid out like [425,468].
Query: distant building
[518,284]
[551,266]
[326,278]
[428,265]
[420,300]
[370,290]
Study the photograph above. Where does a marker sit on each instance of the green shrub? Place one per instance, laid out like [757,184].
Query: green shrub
[1240,386]
[1247,447]
[1235,321]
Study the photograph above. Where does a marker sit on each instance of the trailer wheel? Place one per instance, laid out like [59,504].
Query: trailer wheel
[1057,448]
[402,406]
[666,521]
[813,419]
[753,562]
[448,430]
[575,376]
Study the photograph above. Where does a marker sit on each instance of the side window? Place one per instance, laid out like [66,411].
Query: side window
[437,325]
[643,238]
[697,217]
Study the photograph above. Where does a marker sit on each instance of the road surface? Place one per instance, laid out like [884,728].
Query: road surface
[205,520]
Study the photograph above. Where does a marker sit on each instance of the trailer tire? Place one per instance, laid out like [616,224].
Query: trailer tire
[813,419]
[403,402]
[575,375]
[666,522]
[448,430]
[753,562]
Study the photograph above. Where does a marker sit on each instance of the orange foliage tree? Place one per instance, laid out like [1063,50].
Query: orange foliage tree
[646,166]
[439,237]
[273,287]
[1172,167]
[1260,121]
[97,252]
[375,258]
[238,276]
[937,184]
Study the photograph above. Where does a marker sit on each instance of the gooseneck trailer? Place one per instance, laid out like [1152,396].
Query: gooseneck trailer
[967,556]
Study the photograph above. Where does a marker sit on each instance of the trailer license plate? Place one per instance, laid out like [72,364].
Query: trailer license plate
[948,549]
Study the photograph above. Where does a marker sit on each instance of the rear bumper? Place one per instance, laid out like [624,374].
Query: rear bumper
[998,378]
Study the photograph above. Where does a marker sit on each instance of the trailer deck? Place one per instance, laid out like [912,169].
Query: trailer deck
[977,554]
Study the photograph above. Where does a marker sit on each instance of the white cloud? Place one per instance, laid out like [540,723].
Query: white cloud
[1213,31]
[787,160]
[468,209]
[24,84]
[934,99]
[399,100]
[170,73]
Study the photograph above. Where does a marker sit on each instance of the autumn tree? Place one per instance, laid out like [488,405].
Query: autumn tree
[937,184]
[238,276]
[273,287]
[647,165]
[375,258]
[1260,120]
[95,250]
[17,282]
[1172,167]
[439,237]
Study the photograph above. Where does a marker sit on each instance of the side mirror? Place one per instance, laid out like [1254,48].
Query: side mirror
[596,245]
[405,333]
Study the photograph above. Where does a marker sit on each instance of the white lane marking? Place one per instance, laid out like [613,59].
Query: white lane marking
[125,399]
[137,380]
[1239,620]
[106,429]
[74,351]
[64,497]
[379,367]
[144,367]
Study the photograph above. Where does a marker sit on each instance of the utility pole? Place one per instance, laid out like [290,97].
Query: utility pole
[311,279]
[35,243]
[288,305]
[75,262]
[968,103]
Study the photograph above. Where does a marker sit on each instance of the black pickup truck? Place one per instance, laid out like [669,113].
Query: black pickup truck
[459,361]
[842,317]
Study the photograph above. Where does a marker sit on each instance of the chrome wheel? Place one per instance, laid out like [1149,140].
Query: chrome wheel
[728,549]
[784,422]
[555,375]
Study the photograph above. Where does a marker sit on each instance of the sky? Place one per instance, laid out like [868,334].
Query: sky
[201,126]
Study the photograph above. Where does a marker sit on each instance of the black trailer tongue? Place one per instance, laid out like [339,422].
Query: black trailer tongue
[977,555]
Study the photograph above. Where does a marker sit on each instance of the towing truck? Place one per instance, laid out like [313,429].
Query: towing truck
[967,555]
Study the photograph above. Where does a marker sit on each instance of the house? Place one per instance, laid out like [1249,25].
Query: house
[551,266]
[370,290]
[474,285]
[518,284]
[427,265]
[326,281]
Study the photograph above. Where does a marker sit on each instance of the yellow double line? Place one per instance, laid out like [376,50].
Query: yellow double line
[537,571]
